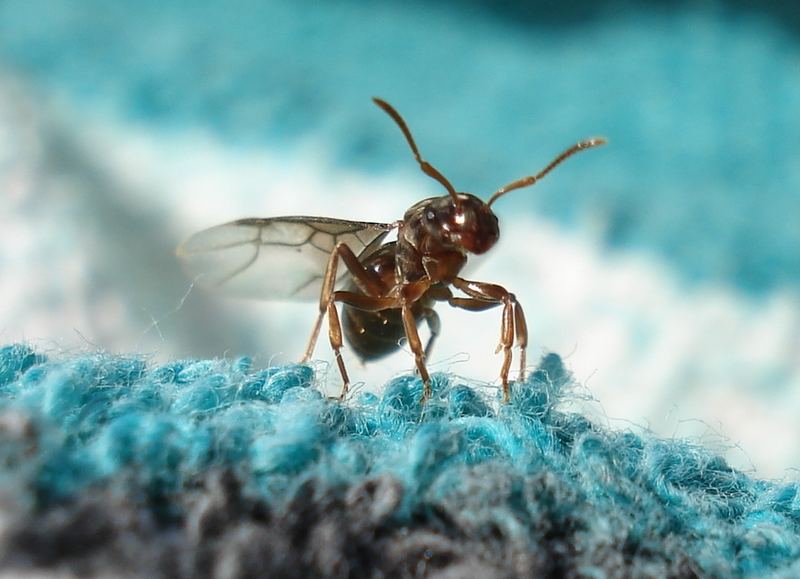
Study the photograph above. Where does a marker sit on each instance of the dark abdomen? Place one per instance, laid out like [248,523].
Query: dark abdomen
[373,335]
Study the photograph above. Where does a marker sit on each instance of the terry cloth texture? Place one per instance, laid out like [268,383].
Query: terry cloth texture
[213,468]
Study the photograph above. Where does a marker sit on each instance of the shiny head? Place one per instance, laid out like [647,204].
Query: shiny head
[461,219]
[468,224]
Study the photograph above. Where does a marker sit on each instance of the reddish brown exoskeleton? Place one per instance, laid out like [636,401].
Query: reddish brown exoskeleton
[386,288]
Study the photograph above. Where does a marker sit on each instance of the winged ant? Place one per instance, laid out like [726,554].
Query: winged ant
[386,288]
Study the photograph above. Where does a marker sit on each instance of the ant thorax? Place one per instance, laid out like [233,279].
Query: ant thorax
[424,248]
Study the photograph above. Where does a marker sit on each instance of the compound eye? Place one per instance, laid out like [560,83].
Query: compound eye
[430,215]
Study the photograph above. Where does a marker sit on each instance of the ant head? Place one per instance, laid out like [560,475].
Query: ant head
[461,219]
[467,223]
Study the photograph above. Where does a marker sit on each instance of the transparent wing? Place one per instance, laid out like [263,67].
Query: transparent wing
[280,258]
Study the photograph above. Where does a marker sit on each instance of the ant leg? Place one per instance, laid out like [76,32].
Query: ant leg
[435,327]
[490,295]
[335,337]
[410,325]
[375,304]
[367,280]
[522,337]
[335,327]
[328,282]
[506,330]
[506,343]
[473,304]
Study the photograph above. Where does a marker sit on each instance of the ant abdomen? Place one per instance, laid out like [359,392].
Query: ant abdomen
[370,334]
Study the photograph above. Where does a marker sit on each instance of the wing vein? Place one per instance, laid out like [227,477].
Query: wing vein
[242,268]
[275,258]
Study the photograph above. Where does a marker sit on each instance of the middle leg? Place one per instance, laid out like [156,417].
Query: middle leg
[409,293]
[434,326]
[367,280]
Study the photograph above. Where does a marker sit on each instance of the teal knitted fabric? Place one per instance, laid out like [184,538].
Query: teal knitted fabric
[133,126]
[220,469]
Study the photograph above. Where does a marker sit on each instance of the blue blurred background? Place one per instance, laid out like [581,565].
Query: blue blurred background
[665,267]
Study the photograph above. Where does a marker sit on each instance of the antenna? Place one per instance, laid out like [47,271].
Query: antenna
[426,167]
[528,181]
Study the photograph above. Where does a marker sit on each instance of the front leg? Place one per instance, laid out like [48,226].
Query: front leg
[512,325]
